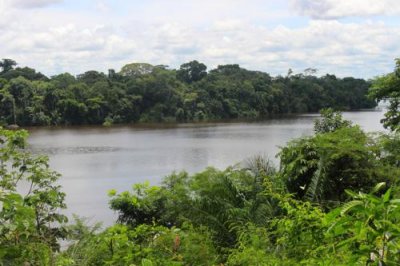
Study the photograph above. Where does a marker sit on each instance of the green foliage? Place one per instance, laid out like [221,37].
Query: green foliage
[321,167]
[253,248]
[387,88]
[108,122]
[367,228]
[136,69]
[7,65]
[331,120]
[363,231]
[30,222]
[192,71]
[221,200]
[141,92]
[144,205]
[390,149]
[298,230]
[143,245]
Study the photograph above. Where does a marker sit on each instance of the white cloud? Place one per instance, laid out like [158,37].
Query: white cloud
[32,3]
[61,40]
[331,9]
[102,7]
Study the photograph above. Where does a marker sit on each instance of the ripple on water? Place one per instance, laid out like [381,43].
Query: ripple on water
[72,150]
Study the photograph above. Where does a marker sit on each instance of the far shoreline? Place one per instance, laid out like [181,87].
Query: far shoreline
[191,124]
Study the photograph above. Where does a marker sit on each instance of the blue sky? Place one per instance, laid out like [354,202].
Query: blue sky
[344,37]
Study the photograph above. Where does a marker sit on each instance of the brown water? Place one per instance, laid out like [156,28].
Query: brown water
[93,160]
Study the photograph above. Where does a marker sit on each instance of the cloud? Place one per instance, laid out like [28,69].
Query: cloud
[101,6]
[33,3]
[60,40]
[332,9]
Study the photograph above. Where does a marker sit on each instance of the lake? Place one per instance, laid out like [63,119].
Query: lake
[93,160]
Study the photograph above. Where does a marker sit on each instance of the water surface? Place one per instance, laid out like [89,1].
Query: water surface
[93,160]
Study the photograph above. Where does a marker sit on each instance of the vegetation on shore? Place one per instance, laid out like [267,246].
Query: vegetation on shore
[141,92]
[334,200]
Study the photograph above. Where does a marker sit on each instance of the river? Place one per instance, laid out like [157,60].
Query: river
[93,160]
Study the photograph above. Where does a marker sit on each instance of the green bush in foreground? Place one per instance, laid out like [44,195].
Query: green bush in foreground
[30,222]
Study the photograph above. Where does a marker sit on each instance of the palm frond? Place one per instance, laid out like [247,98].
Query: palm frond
[349,205]
[259,164]
[316,187]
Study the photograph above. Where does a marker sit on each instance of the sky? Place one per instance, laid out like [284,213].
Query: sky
[359,38]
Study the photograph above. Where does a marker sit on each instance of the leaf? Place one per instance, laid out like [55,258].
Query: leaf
[386,196]
[112,192]
[395,201]
[349,205]
[351,193]
[147,262]
[378,187]
[316,187]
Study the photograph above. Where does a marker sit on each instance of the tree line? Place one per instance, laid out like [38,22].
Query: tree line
[141,92]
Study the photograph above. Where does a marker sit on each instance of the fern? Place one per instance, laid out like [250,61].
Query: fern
[350,205]
[378,187]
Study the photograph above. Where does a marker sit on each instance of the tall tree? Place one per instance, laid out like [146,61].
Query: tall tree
[7,65]
[192,71]
[136,69]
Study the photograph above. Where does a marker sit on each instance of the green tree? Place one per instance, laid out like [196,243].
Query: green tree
[387,88]
[331,121]
[136,69]
[26,72]
[192,71]
[321,167]
[8,107]
[91,77]
[62,81]
[7,65]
